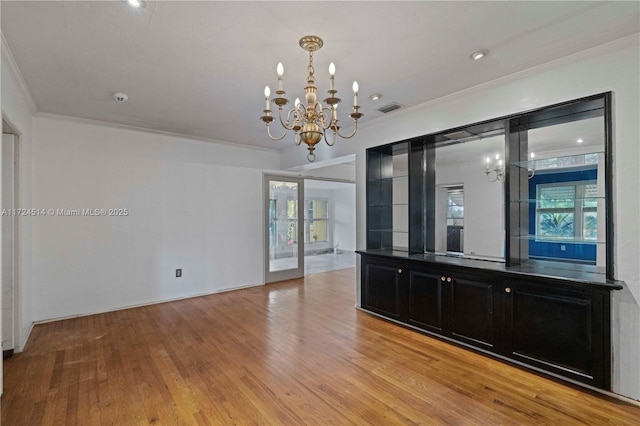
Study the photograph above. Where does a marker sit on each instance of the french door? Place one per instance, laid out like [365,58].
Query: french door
[284,228]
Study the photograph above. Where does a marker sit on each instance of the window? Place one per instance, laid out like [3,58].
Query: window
[316,221]
[567,211]
[283,225]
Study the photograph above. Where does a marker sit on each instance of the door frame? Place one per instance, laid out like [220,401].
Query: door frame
[15,261]
[286,274]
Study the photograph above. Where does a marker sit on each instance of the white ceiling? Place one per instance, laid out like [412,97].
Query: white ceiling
[199,68]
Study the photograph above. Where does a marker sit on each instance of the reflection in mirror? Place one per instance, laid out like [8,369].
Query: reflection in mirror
[462,178]
[455,219]
[400,201]
[567,192]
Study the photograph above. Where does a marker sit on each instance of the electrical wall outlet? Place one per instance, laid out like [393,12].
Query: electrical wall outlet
[178,273]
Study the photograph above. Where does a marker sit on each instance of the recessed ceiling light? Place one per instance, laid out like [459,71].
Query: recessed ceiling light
[579,141]
[136,3]
[120,97]
[375,96]
[478,54]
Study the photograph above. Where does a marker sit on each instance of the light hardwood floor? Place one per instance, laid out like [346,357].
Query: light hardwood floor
[292,353]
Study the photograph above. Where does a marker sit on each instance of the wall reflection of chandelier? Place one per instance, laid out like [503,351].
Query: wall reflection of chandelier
[495,171]
[310,122]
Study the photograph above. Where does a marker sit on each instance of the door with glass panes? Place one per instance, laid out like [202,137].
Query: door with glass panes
[284,217]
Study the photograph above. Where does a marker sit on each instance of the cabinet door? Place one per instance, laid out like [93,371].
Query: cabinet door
[471,311]
[558,330]
[382,288]
[425,301]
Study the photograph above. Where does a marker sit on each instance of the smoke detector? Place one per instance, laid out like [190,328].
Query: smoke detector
[120,97]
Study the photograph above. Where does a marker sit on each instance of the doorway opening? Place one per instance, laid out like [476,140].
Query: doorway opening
[10,240]
[329,225]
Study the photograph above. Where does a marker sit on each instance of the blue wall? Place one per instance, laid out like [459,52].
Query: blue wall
[585,252]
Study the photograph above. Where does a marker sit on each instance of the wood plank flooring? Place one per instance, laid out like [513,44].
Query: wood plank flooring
[291,353]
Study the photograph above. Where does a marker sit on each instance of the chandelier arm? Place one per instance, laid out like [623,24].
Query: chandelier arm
[271,137]
[327,140]
[355,129]
[285,125]
[489,178]
[297,139]
[329,121]
[291,111]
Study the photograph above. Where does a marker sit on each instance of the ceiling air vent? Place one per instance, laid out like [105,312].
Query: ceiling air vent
[390,107]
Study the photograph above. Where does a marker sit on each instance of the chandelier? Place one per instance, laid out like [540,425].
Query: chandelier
[311,122]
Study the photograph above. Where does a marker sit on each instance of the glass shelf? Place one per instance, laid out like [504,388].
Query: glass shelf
[533,200]
[531,237]
[564,161]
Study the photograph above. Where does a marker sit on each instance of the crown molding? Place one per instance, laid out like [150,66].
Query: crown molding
[593,52]
[148,130]
[10,62]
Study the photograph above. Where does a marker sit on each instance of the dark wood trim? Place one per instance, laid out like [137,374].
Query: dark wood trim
[577,276]
[417,193]
[609,176]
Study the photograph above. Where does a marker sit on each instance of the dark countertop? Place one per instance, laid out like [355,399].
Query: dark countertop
[547,270]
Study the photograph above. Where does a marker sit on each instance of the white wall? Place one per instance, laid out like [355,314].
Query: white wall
[483,209]
[192,205]
[17,110]
[343,212]
[341,198]
[613,67]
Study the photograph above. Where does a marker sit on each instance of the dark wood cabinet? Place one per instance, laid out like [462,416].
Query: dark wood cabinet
[454,305]
[473,311]
[559,330]
[383,284]
[425,304]
[551,324]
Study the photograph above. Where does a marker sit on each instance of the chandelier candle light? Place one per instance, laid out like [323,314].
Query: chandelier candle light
[310,122]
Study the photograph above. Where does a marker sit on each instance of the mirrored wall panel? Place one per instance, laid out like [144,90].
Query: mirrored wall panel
[469,197]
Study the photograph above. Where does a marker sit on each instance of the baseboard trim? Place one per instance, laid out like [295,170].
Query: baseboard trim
[25,339]
[139,305]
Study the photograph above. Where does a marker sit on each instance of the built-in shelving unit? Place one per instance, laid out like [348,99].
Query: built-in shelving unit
[525,304]
[388,198]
